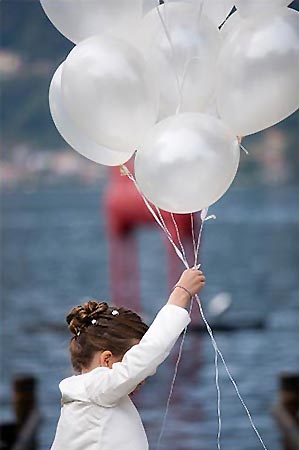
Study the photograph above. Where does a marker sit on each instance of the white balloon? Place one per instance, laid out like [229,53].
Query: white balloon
[248,8]
[258,72]
[187,162]
[188,63]
[212,108]
[73,135]
[79,19]
[148,5]
[109,93]
[216,10]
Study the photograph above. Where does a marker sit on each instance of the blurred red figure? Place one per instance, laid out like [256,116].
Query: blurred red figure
[125,213]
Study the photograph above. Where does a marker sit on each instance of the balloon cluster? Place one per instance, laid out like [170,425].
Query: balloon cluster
[176,82]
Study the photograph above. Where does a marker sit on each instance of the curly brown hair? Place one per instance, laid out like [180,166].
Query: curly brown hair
[97,327]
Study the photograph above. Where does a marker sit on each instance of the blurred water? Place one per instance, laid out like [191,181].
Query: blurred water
[54,254]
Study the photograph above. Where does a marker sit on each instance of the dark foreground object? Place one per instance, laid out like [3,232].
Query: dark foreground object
[22,434]
[286,411]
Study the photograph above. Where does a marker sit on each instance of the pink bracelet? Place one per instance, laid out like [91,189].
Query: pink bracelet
[185,289]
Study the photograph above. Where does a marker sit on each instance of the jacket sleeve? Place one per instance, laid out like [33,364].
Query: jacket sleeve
[106,386]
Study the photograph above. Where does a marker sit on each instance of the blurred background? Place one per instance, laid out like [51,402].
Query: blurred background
[57,252]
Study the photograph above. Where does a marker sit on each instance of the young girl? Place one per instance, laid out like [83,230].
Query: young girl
[113,352]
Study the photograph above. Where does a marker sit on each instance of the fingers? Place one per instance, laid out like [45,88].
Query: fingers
[194,270]
[202,278]
[198,274]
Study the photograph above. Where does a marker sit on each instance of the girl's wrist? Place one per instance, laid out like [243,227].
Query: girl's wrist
[180,296]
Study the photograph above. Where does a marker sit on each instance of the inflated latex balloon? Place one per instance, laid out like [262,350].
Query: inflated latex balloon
[216,10]
[185,68]
[258,72]
[109,92]
[148,5]
[212,108]
[73,135]
[79,19]
[248,8]
[187,162]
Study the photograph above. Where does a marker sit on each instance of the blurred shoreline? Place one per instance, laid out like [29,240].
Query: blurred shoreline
[271,162]
[28,169]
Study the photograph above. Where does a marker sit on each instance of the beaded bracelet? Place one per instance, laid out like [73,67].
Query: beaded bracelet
[185,289]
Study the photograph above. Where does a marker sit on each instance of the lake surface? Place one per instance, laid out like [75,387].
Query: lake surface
[54,254]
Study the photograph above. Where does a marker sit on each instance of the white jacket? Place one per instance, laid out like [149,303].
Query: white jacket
[97,413]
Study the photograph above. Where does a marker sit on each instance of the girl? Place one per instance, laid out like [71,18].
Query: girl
[112,352]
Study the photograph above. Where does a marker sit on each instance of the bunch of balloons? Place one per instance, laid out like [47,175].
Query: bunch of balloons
[176,83]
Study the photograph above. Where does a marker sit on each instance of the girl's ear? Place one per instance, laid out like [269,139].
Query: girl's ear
[106,359]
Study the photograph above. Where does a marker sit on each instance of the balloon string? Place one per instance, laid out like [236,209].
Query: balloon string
[216,373]
[203,218]
[200,10]
[199,236]
[196,250]
[184,75]
[180,85]
[214,343]
[163,222]
[194,240]
[126,171]
[173,383]
[187,64]
[164,421]
[218,351]
[168,36]
[196,253]
[178,237]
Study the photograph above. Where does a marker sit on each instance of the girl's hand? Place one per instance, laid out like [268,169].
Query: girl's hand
[192,280]
[189,284]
